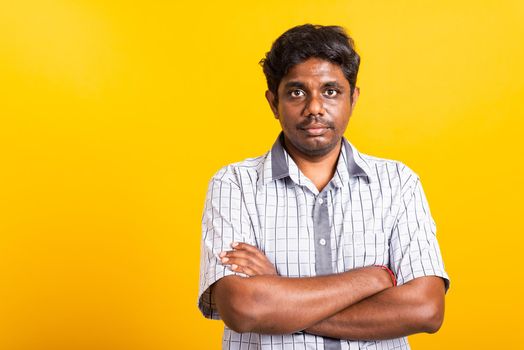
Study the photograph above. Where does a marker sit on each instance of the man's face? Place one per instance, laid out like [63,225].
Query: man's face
[314,106]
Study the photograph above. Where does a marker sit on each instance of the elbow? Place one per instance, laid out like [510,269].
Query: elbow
[237,317]
[432,316]
[237,309]
[247,315]
[248,306]
[239,324]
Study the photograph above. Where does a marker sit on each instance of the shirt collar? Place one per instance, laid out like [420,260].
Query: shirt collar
[350,164]
[356,164]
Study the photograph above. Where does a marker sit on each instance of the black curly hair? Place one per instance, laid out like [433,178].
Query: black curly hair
[302,42]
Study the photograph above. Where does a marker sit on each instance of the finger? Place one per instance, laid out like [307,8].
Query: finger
[238,271]
[257,261]
[246,258]
[243,263]
[253,268]
[227,253]
[243,254]
[245,270]
[247,247]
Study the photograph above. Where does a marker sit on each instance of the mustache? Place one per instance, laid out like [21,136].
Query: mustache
[315,120]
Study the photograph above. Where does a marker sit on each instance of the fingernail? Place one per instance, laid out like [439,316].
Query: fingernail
[225,260]
[234,267]
[222,254]
[234,244]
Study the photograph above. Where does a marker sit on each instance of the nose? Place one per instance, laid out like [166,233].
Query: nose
[315,105]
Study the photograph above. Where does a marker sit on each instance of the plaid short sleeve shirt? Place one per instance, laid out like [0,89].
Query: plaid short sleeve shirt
[373,211]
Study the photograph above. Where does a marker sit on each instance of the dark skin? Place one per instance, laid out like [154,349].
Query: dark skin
[271,304]
[315,104]
[417,306]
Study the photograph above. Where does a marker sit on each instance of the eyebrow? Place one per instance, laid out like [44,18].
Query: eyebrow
[333,84]
[294,84]
[300,85]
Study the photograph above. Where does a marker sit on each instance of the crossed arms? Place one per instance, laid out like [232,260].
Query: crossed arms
[359,304]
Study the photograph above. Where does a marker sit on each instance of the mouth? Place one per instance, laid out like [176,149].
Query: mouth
[315,130]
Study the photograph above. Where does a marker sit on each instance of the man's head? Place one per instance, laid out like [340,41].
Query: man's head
[296,45]
[311,73]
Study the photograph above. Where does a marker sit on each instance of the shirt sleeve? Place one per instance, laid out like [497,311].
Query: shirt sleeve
[414,250]
[225,220]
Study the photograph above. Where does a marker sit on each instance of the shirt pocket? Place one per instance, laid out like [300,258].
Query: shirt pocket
[362,248]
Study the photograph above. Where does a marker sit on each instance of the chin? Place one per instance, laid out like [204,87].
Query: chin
[318,148]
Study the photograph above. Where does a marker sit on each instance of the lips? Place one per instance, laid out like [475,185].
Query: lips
[315,129]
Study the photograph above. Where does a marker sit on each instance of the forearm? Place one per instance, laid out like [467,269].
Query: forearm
[415,307]
[279,305]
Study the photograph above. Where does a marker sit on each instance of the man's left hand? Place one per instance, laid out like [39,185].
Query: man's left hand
[247,259]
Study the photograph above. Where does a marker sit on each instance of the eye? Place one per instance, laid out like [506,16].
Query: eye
[331,92]
[296,93]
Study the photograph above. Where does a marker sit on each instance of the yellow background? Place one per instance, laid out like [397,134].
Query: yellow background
[115,114]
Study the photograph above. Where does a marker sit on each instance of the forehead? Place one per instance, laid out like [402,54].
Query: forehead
[316,70]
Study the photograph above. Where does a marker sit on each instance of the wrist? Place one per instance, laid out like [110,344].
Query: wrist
[392,280]
[378,275]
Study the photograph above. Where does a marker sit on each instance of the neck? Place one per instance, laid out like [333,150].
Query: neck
[319,169]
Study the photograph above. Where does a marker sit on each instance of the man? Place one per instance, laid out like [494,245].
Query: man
[303,247]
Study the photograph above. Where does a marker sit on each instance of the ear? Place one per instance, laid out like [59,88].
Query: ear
[271,100]
[354,98]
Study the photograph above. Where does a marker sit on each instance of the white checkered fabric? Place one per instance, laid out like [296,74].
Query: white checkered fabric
[375,212]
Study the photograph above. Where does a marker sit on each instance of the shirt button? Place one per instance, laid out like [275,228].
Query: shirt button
[320,200]
[322,241]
